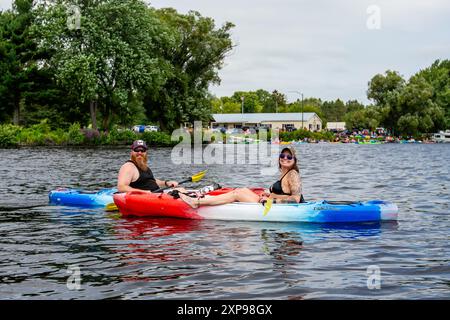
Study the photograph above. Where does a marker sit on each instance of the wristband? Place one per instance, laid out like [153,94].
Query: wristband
[165,183]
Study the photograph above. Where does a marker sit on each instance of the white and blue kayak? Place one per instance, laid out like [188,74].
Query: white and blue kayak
[80,198]
[163,205]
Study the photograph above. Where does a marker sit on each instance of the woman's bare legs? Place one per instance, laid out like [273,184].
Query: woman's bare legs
[237,195]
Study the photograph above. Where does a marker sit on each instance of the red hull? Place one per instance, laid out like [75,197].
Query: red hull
[141,204]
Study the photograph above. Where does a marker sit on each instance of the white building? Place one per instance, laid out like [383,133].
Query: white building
[281,121]
[338,126]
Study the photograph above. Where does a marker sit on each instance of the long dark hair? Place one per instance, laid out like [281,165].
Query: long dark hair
[292,152]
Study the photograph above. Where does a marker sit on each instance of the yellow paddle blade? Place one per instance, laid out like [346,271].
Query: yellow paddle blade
[111,207]
[198,176]
[267,206]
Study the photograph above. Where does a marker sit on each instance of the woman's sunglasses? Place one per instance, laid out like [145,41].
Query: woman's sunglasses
[286,156]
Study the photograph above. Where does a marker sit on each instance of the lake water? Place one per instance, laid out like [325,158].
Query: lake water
[42,245]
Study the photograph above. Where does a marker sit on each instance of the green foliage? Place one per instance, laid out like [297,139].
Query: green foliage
[58,137]
[383,88]
[75,136]
[438,77]
[225,105]
[113,54]
[193,57]
[9,135]
[121,136]
[367,118]
[21,79]
[160,139]
[251,101]
[420,105]
[145,65]
[40,134]
[334,110]
[133,113]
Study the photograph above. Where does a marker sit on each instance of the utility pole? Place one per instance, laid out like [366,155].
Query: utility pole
[301,94]
[242,107]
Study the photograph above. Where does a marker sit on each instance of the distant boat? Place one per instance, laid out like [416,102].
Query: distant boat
[441,136]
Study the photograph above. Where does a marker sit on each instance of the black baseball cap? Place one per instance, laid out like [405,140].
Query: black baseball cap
[139,143]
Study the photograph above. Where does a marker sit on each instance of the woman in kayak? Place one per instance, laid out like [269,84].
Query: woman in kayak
[286,190]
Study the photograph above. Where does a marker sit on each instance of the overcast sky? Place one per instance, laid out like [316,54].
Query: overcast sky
[323,49]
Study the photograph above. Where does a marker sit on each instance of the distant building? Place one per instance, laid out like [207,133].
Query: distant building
[281,121]
[336,126]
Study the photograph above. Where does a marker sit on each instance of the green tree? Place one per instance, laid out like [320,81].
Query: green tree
[438,76]
[108,57]
[353,105]
[20,74]
[419,113]
[264,100]
[366,118]
[384,90]
[279,101]
[251,101]
[333,110]
[193,58]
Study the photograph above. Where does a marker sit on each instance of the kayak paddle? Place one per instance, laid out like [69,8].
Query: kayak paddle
[111,207]
[267,206]
[195,178]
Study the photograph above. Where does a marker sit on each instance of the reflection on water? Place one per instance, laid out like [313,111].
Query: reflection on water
[190,259]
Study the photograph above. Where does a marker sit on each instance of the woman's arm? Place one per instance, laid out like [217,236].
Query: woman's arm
[294,184]
[285,198]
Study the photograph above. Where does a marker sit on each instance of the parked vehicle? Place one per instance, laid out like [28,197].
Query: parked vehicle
[442,136]
[143,128]
[139,128]
[220,129]
[151,129]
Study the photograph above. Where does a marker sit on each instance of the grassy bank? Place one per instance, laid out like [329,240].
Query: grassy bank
[42,135]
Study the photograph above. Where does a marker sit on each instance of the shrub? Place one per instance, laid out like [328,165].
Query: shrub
[121,136]
[9,135]
[161,139]
[92,136]
[58,137]
[76,136]
[42,127]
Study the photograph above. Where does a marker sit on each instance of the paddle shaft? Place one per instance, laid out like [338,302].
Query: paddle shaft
[165,188]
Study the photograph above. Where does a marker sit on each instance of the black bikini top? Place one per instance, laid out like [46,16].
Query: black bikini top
[277,188]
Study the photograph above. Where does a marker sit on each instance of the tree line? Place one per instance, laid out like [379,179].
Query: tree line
[262,101]
[123,62]
[107,62]
[419,105]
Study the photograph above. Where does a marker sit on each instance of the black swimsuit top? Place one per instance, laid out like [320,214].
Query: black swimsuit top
[146,180]
[277,188]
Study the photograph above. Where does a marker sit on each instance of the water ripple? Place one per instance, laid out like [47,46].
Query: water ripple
[178,259]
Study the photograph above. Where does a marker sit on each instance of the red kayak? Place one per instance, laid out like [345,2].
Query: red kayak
[141,204]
